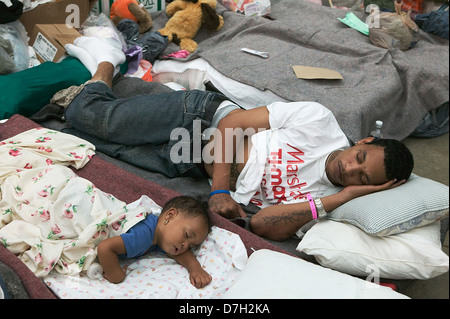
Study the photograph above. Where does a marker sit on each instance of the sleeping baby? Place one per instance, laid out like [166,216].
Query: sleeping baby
[182,225]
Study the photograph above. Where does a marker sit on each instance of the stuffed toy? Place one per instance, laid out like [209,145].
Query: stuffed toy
[131,9]
[187,16]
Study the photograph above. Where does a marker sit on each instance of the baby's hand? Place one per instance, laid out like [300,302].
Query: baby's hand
[199,278]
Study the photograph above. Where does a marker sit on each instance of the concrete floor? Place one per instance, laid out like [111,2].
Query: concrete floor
[431,158]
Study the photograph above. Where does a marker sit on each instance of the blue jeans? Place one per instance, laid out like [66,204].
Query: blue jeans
[137,129]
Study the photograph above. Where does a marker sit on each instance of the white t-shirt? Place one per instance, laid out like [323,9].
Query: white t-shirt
[288,161]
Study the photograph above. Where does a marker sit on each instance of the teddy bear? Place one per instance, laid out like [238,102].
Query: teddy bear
[187,16]
[131,9]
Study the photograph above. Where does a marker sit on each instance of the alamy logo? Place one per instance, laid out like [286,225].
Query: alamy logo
[209,146]
[73,18]
[374,274]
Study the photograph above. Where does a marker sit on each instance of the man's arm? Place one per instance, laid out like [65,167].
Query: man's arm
[279,222]
[198,276]
[255,119]
[107,252]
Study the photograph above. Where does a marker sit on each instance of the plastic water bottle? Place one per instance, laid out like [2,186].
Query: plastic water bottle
[377,132]
[95,271]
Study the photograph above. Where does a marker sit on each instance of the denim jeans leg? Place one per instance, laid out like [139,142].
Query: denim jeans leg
[136,120]
[200,108]
[142,122]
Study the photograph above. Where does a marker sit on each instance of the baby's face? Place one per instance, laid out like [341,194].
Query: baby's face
[181,233]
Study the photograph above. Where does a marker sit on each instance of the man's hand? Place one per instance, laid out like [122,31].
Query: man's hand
[102,49]
[354,191]
[236,121]
[225,206]
[92,51]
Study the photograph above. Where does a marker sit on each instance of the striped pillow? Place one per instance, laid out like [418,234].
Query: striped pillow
[416,203]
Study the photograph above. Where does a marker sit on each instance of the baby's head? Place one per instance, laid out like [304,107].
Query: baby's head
[184,223]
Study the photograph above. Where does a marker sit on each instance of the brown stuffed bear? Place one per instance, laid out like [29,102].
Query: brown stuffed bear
[187,16]
[131,9]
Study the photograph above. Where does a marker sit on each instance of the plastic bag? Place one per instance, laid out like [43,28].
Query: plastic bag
[102,27]
[15,33]
[435,123]
[6,57]
[249,7]
[152,43]
[384,5]
[392,30]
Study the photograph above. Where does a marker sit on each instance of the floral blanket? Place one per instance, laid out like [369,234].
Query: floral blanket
[50,217]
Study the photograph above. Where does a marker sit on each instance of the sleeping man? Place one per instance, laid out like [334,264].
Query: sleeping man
[281,157]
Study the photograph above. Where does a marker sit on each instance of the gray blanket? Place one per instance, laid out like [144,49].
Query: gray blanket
[396,87]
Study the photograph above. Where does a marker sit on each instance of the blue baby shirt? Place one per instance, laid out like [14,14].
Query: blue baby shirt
[138,239]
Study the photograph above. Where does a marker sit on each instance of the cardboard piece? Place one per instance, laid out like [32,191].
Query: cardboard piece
[71,12]
[48,40]
[312,73]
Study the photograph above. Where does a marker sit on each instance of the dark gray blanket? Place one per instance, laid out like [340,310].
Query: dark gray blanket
[396,87]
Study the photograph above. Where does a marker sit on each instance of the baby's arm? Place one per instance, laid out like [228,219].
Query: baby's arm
[198,276]
[107,252]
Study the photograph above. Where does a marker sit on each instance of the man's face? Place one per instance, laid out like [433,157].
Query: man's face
[361,164]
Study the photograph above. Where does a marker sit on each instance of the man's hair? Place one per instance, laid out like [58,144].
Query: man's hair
[398,160]
[190,207]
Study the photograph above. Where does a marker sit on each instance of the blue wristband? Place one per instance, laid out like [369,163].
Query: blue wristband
[220,191]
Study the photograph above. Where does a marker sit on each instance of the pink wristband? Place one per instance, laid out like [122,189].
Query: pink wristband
[312,205]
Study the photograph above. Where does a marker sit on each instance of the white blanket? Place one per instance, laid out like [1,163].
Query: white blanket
[155,276]
[194,74]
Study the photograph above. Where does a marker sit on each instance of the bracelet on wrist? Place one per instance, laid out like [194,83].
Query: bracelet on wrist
[312,205]
[321,212]
[219,191]
[317,209]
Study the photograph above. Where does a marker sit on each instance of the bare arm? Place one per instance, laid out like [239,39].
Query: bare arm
[107,252]
[279,222]
[254,119]
[198,276]
[105,72]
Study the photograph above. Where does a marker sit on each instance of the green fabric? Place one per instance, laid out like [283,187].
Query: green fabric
[27,91]
[354,22]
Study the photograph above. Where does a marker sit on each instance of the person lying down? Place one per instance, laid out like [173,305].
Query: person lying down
[54,220]
[281,157]
[182,225]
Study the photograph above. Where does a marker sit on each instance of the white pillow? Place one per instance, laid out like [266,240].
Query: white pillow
[273,275]
[416,254]
[418,202]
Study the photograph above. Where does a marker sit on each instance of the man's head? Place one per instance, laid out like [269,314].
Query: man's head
[371,162]
[183,224]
